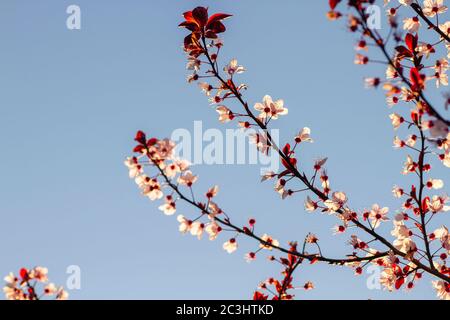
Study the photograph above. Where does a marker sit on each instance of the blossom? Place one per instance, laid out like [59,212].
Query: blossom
[396,120]
[405,2]
[268,175]
[269,242]
[391,72]
[311,238]
[400,230]
[435,184]
[164,149]
[405,245]
[151,188]
[213,230]
[378,214]
[169,207]
[338,229]
[233,68]
[205,87]
[171,170]
[388,278]
[433,7]
[336,202]
[308,285]
[397,191]
[230,246]
[39,274]
[310,205]
[249,257]
[319,163]
[438,128]
[185,224]
[445,158]
[11,279]
[411,24]
[441,65]
[193,64]
[392,100]
[409,166]
[371,82]
[270,109]
[361,59]
[213,209]
[411,141]
[445,27]
[212,192]
[62,294]
[50,289]
[187,179]
[261,141]
[441,79]
[438,204]
[225,114]
[134,168]
[442,289]
[197,228]
[398,143]
[443,236]
[304,136]
[357,243]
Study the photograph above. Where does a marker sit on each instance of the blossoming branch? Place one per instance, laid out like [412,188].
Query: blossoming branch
[415,251]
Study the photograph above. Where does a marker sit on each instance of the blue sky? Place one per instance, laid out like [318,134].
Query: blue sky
[73,100]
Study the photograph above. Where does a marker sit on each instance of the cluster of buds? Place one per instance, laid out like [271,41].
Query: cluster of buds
[281,289]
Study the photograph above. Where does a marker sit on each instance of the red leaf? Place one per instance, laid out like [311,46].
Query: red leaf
[333,3]
[416,79]
[411,42]
[419,226]
[140,137]
[259,296]
[152,142]
[23,273]
[190,25]
[399,283]
[216,17]
[287,149]
[403,52]
[188,16]
[139,148]
[200,14]
[216,27]
[425,203]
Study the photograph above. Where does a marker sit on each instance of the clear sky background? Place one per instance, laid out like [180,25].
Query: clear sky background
[71,102]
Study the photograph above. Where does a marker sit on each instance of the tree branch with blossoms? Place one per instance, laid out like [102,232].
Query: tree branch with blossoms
[403,260]
[25,285]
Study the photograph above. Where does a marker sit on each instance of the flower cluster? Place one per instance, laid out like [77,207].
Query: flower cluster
[280,290]
[24,286]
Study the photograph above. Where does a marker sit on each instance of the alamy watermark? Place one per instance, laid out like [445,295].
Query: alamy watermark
[73,281]
[234,147]
[73,21]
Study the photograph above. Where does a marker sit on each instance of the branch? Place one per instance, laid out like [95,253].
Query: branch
[430,24]
[227,223]
[380,44]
